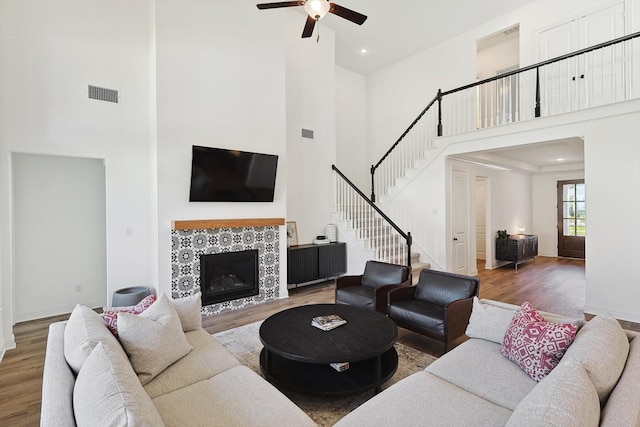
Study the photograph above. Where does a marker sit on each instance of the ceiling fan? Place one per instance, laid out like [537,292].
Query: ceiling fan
[317,9]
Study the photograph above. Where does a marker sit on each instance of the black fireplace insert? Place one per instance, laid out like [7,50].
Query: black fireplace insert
[228,276]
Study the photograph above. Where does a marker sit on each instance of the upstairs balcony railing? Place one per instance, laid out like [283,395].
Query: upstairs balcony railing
[589,77]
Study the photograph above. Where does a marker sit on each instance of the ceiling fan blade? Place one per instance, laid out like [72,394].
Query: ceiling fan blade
[347,14]
[279,4]
[308,27]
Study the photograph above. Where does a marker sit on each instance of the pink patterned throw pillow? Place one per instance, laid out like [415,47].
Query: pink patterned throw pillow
[535,344]
[110,314]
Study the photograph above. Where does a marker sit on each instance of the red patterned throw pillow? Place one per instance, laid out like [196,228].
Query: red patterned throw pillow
[110,314]
[535,344]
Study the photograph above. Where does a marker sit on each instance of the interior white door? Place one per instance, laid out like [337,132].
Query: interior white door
[558,91]
[594,78]
[601,78]
[460,221]
[481,218]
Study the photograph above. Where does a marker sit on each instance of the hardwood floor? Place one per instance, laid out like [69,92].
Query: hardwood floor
[550,284]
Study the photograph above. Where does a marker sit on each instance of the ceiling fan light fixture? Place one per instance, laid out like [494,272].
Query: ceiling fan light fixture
[317,9]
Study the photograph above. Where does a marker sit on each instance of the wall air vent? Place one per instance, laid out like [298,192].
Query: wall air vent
[511,30]
[103,94]
[307,133]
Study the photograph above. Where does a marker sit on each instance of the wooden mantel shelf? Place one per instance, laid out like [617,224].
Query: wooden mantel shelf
[226,223]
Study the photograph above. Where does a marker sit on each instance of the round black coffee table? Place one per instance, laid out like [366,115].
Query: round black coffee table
[297,355]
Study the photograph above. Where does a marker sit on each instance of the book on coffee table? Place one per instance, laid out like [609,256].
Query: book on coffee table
[328,322]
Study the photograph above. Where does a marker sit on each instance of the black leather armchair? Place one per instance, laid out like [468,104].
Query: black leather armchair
[439,306]
[371,288]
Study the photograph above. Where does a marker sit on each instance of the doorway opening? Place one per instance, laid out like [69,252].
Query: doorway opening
[498,101]
[59,228]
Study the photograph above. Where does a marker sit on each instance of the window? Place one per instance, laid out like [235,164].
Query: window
[574,214]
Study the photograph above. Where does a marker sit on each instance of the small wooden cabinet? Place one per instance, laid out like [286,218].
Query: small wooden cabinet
[308,263]
[517,248]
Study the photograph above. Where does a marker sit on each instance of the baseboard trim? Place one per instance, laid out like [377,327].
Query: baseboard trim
[25,317]
[620,315]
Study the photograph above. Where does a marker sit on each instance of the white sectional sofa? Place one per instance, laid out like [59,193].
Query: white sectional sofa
[91,378]
[597,381]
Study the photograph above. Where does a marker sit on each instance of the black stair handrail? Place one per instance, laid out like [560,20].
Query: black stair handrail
[374,167]
[406,236]
[537,108]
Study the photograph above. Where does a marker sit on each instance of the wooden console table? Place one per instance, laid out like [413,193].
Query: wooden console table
[517,248]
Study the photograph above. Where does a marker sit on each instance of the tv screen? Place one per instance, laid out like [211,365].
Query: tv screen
[219,175]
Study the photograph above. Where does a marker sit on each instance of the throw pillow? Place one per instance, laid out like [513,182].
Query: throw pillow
[108,393]
[110,314]
[153,339]
[489,322]
[535,344]
[565,398]
[83,331]
[189,310]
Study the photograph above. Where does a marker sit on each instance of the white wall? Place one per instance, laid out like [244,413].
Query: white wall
[351,128]
[60,234]
[497,57]
[220,83]
[311,104]
[49,53]
[612,156]
[545,214]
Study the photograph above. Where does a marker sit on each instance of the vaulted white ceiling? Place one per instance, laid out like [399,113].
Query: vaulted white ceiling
[397,29]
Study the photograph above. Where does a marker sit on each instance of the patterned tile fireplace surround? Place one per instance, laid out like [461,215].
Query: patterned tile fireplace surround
[190,239]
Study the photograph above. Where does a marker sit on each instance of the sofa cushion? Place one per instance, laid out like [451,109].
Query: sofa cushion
[58,380]
[490,319]
[189,311]
[381,273]
[426,400]
[360,296]
[602,347]
[623,405]
[235,397]
[84,330]
[478,367]
[535,344]
[108,393]
[153,339]
[208,358]
[566,397]
[110,314]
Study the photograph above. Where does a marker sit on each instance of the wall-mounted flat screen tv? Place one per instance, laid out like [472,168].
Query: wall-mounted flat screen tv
[220,175]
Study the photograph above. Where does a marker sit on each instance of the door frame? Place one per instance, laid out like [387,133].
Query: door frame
[469,208]
[560,221]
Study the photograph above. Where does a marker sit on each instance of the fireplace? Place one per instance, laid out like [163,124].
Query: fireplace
[190,239]
[228,276]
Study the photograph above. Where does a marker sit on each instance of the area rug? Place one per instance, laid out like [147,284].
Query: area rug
[244,343]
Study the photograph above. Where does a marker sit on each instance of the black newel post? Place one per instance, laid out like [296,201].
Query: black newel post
[373,189]
[409,242]
[439,112]
[537,112]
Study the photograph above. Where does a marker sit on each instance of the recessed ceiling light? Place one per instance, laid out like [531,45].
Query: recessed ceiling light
[560,160]
[363,50]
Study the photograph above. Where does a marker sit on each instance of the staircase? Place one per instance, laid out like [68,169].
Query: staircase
[369,230]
